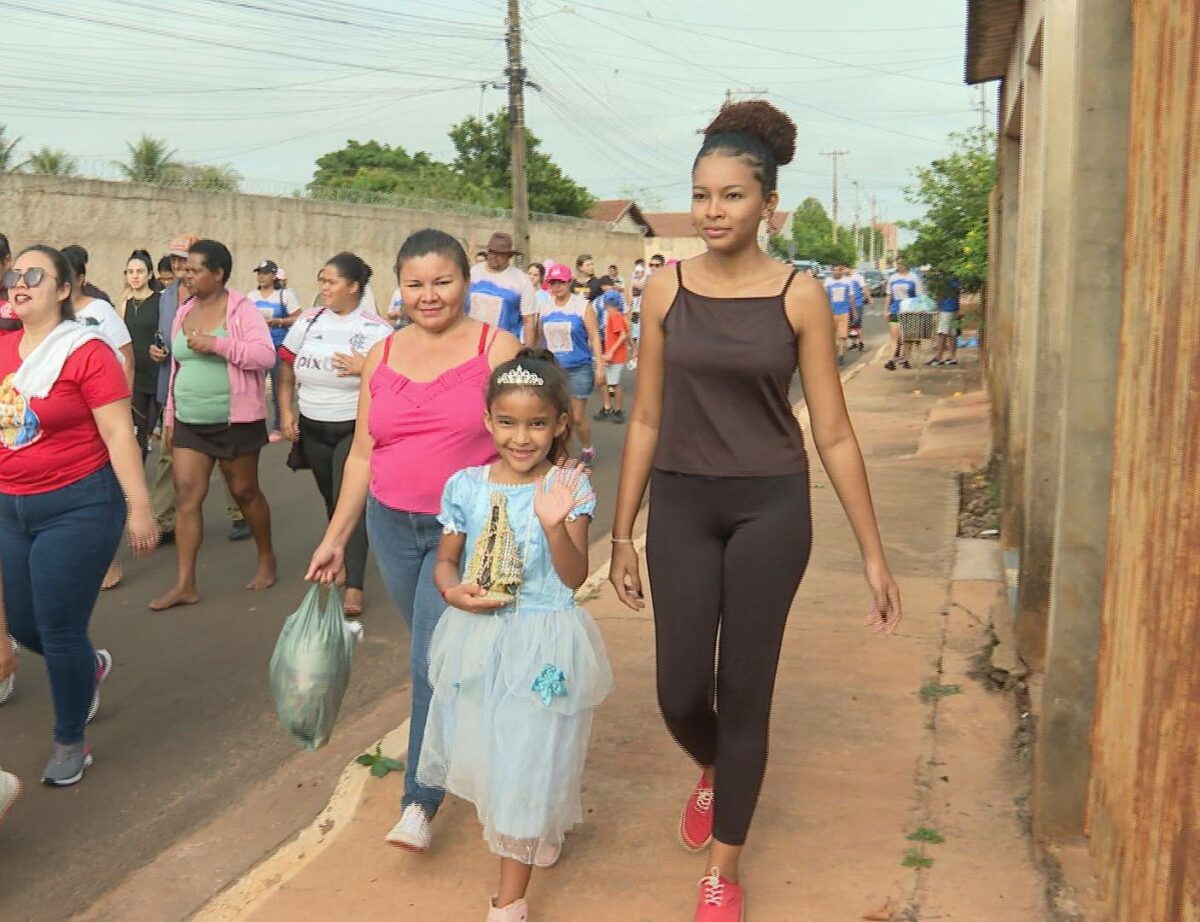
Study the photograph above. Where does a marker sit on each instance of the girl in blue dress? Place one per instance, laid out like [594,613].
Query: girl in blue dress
[517,668]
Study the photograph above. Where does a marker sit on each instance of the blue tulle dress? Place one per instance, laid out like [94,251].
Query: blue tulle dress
[514,691]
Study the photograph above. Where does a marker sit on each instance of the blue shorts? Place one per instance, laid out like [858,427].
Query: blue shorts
[581,380]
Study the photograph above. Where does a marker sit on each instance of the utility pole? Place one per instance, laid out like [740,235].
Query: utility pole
[874,233]
[833,155]
[858,249]
[982,107]
[744,91]
[516,122]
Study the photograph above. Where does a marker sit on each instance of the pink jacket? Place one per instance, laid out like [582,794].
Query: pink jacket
[248,352]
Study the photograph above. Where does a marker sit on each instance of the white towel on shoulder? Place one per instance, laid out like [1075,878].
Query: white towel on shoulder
[41,369]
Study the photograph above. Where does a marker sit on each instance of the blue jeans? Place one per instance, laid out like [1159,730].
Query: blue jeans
[54,550]
[406,546]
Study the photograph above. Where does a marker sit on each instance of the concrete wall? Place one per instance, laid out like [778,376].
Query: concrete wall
[112,219]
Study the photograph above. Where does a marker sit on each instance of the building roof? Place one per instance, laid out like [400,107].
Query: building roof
[679,223]
[610,211]
[991,30]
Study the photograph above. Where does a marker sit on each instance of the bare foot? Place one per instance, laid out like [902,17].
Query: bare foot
[352,607]
[113,577]
[175,596]
[265,577]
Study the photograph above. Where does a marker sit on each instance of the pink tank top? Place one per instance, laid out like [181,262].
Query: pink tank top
[424,431]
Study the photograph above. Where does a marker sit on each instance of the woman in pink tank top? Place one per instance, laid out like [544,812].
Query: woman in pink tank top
[420,419]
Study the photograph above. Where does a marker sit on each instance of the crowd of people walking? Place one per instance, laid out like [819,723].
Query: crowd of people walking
[441,434]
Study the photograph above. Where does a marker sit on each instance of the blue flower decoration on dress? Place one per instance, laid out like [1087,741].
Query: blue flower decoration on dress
[551,682]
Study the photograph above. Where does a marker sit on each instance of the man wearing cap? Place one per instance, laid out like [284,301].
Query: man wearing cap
[501,294]
[163,493]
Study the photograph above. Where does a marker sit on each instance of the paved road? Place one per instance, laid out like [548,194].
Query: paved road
[188,725]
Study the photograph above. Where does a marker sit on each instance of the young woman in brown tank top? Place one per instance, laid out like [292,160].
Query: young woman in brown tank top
[729,533]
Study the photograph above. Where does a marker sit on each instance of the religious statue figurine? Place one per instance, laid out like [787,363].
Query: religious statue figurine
[495,564]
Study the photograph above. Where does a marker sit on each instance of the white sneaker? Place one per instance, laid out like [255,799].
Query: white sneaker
[10,790]
[412,832]
[9,685]
[513,912]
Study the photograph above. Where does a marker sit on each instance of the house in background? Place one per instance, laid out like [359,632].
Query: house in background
[622,214]
[675,236]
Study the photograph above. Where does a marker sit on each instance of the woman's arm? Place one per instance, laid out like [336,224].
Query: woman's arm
[248,344]
[127,360]
[641,440]
[286,379]
[113,421]
[356,483]
[591,325]
[833,436]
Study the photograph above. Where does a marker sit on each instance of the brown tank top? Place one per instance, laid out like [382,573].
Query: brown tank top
[727,367]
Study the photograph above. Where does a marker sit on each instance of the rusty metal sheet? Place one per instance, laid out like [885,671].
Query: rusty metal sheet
[1144,820]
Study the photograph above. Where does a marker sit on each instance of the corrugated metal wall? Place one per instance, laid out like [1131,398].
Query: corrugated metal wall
[1145,796]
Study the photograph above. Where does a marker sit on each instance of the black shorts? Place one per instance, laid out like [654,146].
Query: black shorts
[893,318]
[224,441]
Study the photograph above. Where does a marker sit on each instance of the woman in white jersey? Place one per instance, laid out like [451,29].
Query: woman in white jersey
[323,353]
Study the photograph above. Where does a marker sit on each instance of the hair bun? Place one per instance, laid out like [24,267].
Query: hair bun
[757,118]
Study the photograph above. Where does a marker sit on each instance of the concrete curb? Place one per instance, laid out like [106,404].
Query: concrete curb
[257,885]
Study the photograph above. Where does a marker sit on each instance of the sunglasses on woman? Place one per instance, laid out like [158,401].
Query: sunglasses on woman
[33,277]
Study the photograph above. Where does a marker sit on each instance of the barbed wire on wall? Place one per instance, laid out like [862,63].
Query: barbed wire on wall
[99,170]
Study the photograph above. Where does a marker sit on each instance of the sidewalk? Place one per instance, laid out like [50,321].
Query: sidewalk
[873,738]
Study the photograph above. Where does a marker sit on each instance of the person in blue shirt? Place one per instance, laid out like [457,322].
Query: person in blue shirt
[947,327]
[840,290]
[903,284]
[501,294]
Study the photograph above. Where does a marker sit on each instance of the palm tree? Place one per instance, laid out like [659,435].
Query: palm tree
[51,162]
[151,160]
[8,151]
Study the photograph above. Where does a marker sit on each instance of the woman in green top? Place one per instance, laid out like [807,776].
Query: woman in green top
[141,318]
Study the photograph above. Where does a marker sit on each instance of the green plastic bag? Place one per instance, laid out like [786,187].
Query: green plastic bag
[310,668]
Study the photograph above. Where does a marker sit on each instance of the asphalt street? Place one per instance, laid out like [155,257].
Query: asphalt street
[187,725]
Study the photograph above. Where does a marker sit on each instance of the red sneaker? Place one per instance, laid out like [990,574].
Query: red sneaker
[696,823]
[720,900]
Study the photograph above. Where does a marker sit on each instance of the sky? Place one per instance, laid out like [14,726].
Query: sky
[623,87]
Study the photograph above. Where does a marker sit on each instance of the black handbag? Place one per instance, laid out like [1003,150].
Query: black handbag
[296,459]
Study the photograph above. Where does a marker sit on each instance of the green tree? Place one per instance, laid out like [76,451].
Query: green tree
[484,161]
[8,151]
[378,173]
[952,235]
[209,177]
[151,160]
[812,230]
[51,162]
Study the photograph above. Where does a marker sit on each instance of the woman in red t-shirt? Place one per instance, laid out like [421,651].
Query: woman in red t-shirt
[68,464]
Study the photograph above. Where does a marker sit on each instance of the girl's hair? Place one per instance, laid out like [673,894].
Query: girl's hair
[216,256]
[541,271]
[164,264]
[757,131]
[430,240]
[145,259]
[352,268]
[553,390]
[75,255]
[5,248]
[65,272]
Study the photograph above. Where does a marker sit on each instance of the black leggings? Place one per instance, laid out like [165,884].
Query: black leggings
[145,417]
[726,555]
[326,446]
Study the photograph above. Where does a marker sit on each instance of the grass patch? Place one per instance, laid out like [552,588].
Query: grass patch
[925,834]
[379,764]
[916,858]
[934,690]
